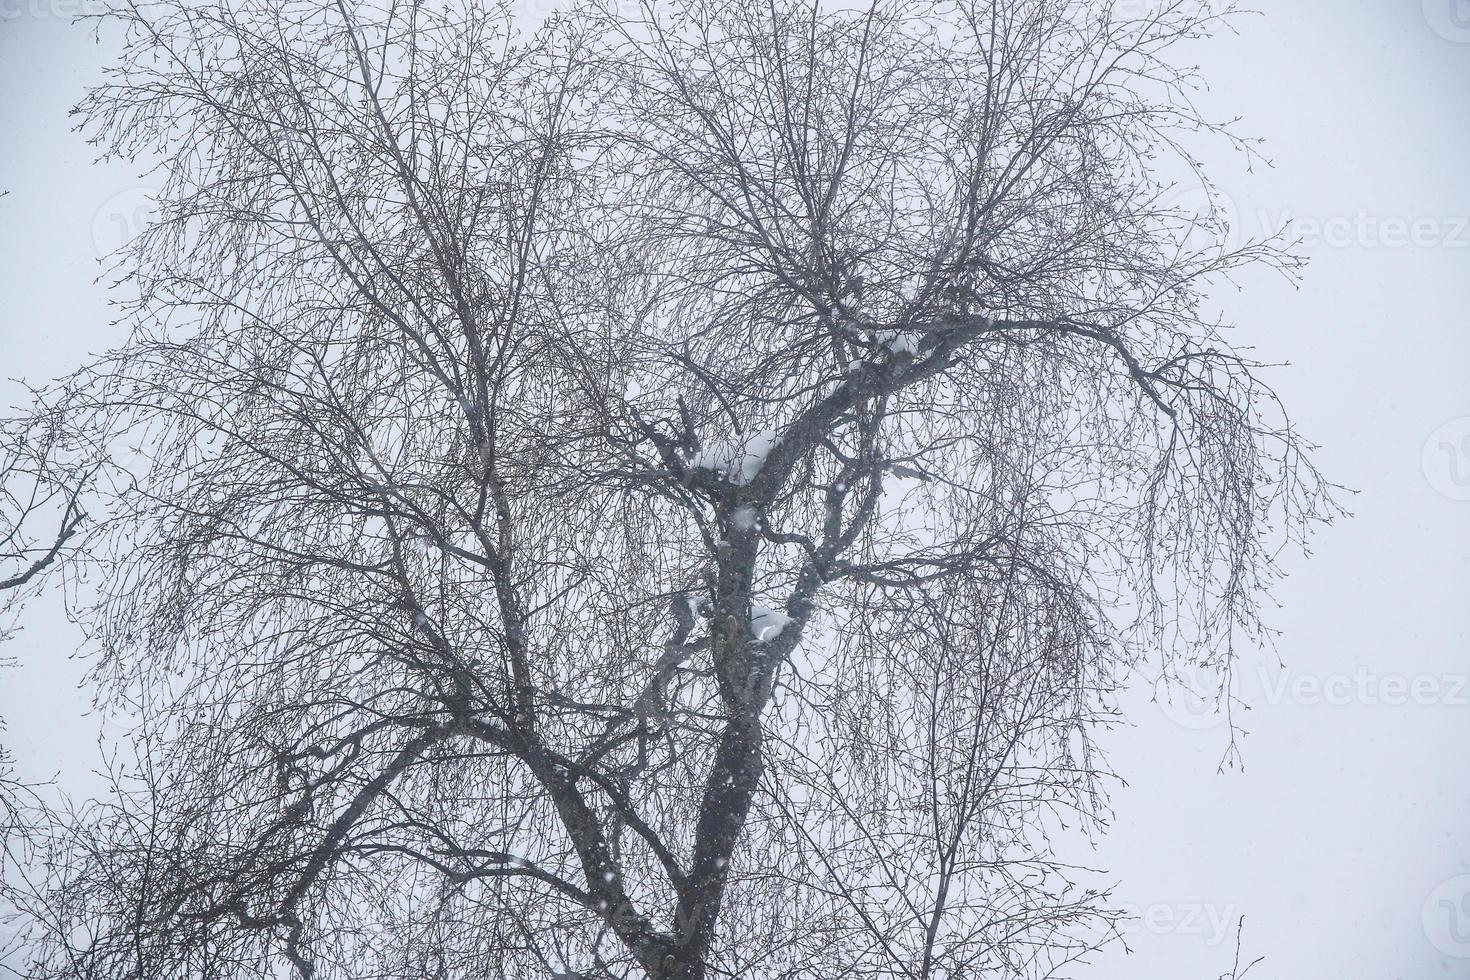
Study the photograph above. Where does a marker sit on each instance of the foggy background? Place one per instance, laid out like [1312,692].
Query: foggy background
[1345,839]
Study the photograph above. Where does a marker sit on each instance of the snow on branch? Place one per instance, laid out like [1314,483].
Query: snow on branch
[738,460]
[767,623]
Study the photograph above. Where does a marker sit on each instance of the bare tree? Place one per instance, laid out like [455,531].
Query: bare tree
[40,517]
[668,493]
[40,510]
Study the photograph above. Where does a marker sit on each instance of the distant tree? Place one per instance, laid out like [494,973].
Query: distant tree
[667,493]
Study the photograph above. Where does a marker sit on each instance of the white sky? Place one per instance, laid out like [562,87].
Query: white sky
[1337,839]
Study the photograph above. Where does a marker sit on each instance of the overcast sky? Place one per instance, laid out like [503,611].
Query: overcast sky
[1343,840]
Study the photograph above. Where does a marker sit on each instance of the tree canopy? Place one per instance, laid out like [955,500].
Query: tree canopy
[668,491]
